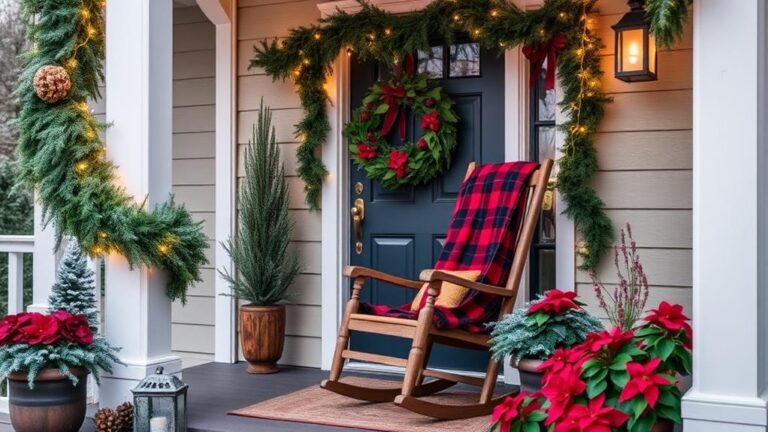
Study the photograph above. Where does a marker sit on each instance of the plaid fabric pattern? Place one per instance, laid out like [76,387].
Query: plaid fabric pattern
[482,236]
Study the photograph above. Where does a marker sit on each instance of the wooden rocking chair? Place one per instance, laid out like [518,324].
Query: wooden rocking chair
[424,333]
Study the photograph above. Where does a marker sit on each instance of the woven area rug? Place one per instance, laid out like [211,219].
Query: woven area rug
[317,406]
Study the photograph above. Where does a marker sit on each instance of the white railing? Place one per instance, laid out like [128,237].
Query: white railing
[15,246]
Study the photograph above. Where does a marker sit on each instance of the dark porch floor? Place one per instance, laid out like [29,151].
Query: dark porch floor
[217,388]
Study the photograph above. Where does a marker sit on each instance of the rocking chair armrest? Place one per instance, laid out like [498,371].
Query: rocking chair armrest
[437,275]
[358,271]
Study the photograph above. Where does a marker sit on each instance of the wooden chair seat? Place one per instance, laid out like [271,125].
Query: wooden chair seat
[424,333]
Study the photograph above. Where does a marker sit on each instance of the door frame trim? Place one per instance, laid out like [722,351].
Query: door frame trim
[335,200]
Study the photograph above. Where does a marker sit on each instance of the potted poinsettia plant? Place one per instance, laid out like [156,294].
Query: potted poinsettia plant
[618,380]
[47,357]
[539,331]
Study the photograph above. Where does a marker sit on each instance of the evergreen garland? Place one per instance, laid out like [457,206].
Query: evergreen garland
[75,287]
[667,19]
[63,157]
[309,52]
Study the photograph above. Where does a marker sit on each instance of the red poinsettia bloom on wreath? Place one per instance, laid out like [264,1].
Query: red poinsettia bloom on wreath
[422,144]
[560,389]
[613,339]
[555,302]
[431,121]
[511,409]
[365,151]
[643,380]
[593,417]
[398,161]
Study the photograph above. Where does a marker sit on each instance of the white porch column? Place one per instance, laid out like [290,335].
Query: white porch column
[730,235]
[139,84]
[45,260]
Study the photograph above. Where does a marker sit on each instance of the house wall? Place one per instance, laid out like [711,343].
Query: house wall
[193,171]
[645,157]
[257,20]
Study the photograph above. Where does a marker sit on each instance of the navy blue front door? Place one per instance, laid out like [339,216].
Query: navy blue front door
[403,230]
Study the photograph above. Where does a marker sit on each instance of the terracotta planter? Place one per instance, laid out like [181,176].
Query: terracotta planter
[530,377]
[262,333]
[54,404]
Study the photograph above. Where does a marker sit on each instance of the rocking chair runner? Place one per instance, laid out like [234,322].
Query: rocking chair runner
[424,332]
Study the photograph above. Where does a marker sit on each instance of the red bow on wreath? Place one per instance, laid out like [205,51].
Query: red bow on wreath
[392,97]
[548,51]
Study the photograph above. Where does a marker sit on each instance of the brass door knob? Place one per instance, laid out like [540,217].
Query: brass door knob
[358,214]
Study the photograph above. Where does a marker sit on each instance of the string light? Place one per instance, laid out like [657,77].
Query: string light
[90,134]
[562,15]
[317,36]
[83,106]
[494,13]
[476,32]
[81,167]
[97,250]
[91,31]
[71,63]
[306,62]
[103,235]
[297,71]
[456,17]
[387,31]
[164,248]
[349,52]
[85,13]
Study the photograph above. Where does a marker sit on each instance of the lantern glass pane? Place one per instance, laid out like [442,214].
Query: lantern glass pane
[652,54]
[181,412]
[632,45]
[162,414]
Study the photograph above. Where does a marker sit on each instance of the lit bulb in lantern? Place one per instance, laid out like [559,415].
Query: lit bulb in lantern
[634,53]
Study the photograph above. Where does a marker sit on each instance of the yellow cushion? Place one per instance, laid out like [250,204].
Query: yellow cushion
[451,295]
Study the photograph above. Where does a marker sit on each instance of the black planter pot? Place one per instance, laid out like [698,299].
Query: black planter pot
[530,378]
[54,405]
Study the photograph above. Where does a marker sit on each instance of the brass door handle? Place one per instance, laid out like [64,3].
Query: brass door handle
[358,214]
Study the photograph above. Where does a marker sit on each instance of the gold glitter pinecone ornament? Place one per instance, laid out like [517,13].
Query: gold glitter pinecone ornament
[119,420]
[51,83]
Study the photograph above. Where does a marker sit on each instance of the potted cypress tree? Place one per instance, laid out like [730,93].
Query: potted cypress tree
[266,268]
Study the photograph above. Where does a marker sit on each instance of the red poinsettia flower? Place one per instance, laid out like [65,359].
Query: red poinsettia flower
[511,409]
[555,302]
[562,358]
[670,317]
[594,417]
[613,339]
[365,116]
[429,102]
[365,151]
[643,380]
[430,121]
[40,329]
[10,328]
[372,137]
[74,328]
[422,144]
[560,389]
[398,161]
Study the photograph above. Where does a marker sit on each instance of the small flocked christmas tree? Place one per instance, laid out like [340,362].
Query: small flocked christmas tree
[75,287]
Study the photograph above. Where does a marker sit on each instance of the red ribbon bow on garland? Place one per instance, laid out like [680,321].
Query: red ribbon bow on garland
[538,53]
[392,97]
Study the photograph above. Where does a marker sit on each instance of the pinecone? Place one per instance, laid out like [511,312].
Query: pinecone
[109,420]
[51,83]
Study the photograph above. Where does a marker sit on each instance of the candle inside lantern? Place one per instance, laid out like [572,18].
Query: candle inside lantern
[158,424]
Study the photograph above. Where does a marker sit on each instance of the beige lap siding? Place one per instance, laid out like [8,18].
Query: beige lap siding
[259,19]
[645,156]
[193,171]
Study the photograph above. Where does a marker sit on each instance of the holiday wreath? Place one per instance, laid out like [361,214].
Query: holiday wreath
[385,106]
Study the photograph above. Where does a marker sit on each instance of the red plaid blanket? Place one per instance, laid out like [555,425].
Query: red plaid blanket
[482,236]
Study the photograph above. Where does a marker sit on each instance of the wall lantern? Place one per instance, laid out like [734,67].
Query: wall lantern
[635,45]
[160,404]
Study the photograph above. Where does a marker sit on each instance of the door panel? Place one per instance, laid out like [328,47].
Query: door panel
[404,229]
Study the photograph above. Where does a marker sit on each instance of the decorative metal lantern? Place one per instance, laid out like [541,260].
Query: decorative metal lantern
[635,45]
[160,404]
